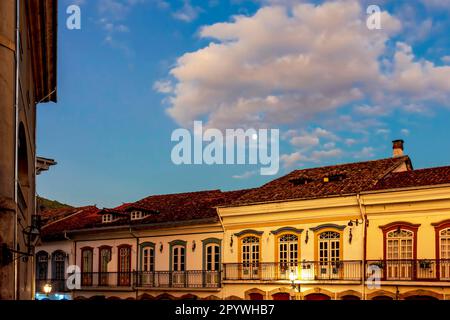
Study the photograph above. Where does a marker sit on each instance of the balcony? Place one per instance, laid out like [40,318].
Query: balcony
[302,271]
[179,279]
[410,270]
[129,281]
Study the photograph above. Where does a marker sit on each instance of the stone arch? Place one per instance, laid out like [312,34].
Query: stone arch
[328,293]
[211,297]
[349,293]
[381,293]
[233,298]
[276,291]
[251,294]
[421,293]
[146,296]
[165,296]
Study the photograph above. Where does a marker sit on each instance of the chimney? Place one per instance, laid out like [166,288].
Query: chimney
[397,146]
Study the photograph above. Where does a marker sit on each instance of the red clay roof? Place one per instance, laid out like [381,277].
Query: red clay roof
[309,183]
[415,178]
[169,208]
[81,218]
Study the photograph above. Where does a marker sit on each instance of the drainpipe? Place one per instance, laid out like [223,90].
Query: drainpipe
[137,256]
[16,151]
[364,221]
[222,249]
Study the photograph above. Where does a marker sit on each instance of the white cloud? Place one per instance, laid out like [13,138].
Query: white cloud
[323,154]
[446,59]
[163,86]
[350,141]
[245,175]
[280,67]
[366,110]
[383,131]
[188,12]
[405,132]
[305,141]
[365,153]
[289,160]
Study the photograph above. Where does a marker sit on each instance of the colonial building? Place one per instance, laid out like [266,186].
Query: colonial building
[27,77]
[369,230]
[160,246]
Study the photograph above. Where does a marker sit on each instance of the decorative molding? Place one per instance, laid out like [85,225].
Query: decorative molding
[401,224]
[328,225]
[249,231]
[177,243]
[287,229]
[440,224]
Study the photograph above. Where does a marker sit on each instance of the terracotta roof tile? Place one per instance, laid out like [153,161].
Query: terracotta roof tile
[169,208]
[415,178]
[344,179]
[81,218]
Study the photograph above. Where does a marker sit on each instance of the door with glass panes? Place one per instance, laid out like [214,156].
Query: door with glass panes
[178,266]
[148,266]
[287,255]
[399,255]
[212,264]
[444,245]
[124,266]
[250,257]
[329,264]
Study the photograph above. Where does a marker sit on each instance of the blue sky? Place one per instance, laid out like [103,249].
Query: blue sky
[139,69]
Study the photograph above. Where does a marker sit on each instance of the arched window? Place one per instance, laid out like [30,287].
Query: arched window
[399,254]
[329,254]
[250,256]
[86,266]
[288,249]
[288,256]
[58,265]
[124,263]
[211,261]
[444,253]
[147,263]
[178,258]
[148,259]
[399,244]
[104,259]
[41,265]
[329,246]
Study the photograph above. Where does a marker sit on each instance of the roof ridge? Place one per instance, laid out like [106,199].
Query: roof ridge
[351,163]
[424,169]
[80,210]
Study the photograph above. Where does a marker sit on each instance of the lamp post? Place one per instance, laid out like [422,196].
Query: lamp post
[296,286]
[47,289]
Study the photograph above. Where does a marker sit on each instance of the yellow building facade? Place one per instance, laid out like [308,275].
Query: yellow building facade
[375,230]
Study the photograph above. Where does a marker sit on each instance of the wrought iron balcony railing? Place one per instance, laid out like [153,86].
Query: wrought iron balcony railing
[179,279]
[131,280]
[409,270]
[303,271]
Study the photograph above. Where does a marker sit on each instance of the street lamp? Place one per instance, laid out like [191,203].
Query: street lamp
[47,289]
[295,286]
